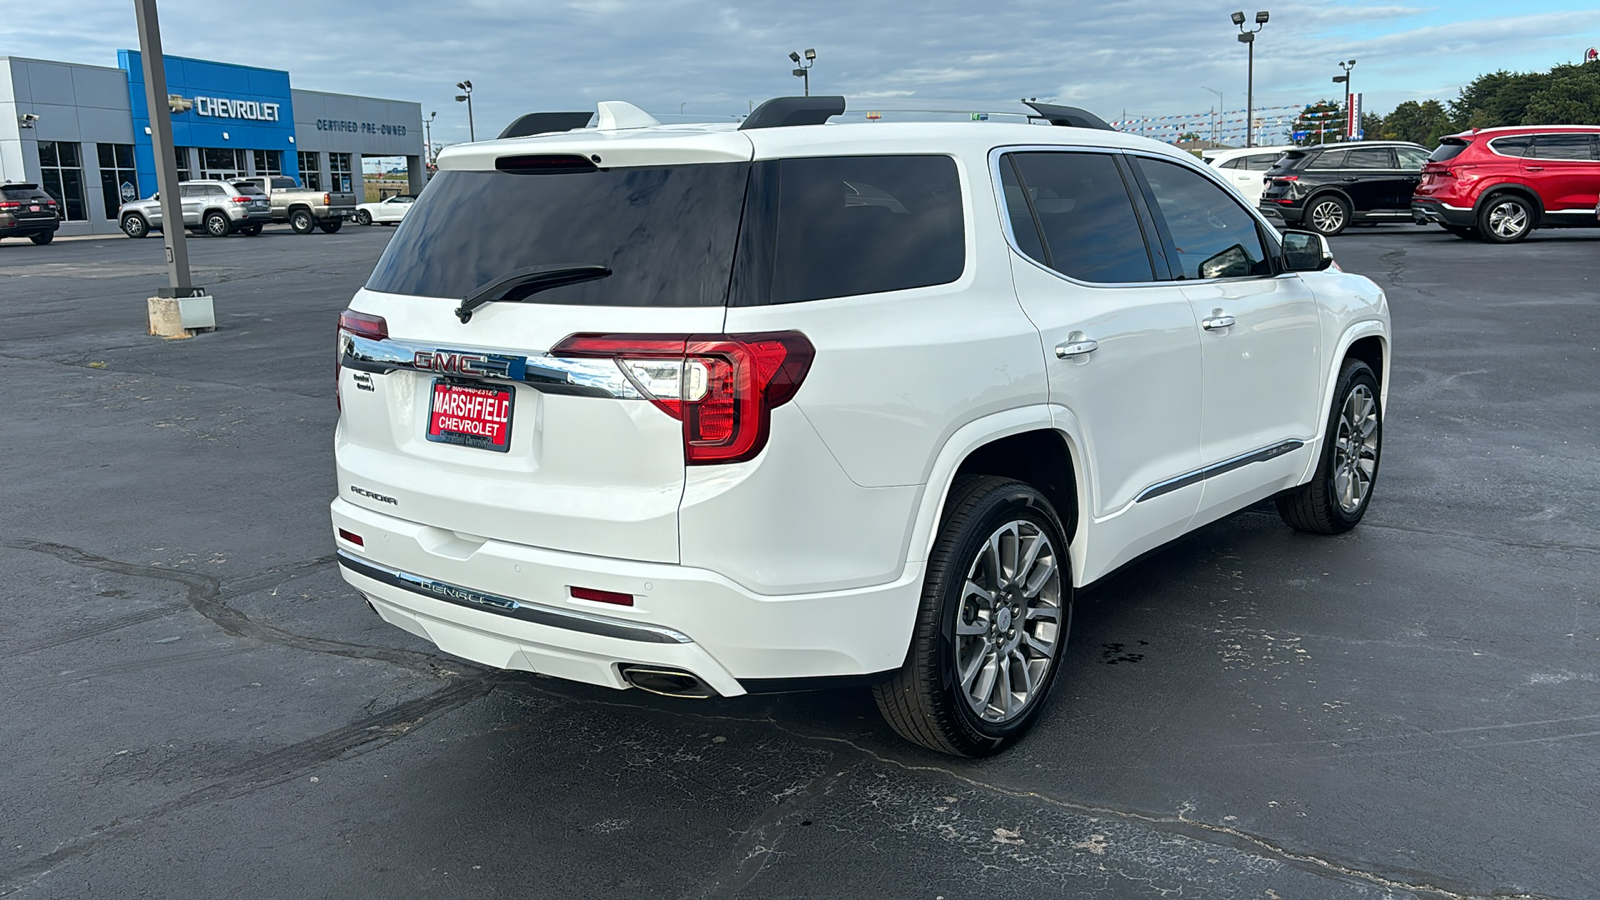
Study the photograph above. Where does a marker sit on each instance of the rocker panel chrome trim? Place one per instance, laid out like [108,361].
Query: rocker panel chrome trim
[1215,469]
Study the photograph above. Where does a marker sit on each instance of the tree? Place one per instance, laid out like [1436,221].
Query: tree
[1571,98]
[1320,122]
[1420,123]
[1498,98]
[1371,126]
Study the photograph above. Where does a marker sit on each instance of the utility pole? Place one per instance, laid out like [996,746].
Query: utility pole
[1222,108]
[466,95]
[427,129]
[155,92]
[1350,126]
[1248,38]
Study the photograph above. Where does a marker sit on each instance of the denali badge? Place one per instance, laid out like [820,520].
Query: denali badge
[372,495]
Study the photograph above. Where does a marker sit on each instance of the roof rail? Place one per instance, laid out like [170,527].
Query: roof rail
[781,111]
[1070,116]
[545,123]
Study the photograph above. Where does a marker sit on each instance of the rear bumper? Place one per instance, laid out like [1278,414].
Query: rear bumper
[1289,213]
[1434,212]
[508,606]
[25,227]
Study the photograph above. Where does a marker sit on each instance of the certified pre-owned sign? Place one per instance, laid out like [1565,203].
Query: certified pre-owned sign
[226,108]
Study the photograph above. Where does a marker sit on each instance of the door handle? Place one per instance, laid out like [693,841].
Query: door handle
[1081,347]
[1217,322]
[1535,168]
[1349,179]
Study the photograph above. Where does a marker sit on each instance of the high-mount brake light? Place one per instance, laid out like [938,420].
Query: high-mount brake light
[545,164]
[723,387]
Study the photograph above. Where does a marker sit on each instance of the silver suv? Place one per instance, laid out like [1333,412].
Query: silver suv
[216,208]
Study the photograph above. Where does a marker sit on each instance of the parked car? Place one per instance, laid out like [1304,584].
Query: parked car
[215,208]
[26,211]
[1246,167]
[304,209]
[388,211]
[737,409]
[1329,187]
[1499,184]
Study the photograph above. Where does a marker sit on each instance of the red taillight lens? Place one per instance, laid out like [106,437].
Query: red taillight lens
[240,199]
[11,204]
[723,387]
[363,325]
[1285,179]
[583,593]
[327,199]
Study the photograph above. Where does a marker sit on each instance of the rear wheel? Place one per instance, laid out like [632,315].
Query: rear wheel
[135,226]
[996,611]
[1328,214]
[1337,496]
[44,238]
[363,217]
[330,226]
[302,221]
[1505,218]
[217,224]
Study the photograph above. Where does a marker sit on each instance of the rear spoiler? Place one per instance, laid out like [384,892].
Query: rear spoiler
[1070,116]
[545,123]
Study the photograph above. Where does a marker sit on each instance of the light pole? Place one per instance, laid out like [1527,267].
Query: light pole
[1248,38]
[1222,109]
[1349,126]
[804,68]
[427,129]
[466,97]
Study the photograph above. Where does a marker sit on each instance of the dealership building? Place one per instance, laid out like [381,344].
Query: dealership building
[83,132]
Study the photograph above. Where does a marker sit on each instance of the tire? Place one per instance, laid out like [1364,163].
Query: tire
[363,217]
[135,226]
[250,230]
[43,238]
[217,224]
[331,226]
[302,221]
[1338,494]
[986,521]
[1465,232]
[1505,218]
[1328,214]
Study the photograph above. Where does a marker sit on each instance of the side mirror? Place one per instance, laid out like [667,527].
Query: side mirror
[1305,251]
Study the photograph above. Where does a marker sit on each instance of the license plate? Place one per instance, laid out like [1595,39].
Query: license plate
[34,208]
[471,415]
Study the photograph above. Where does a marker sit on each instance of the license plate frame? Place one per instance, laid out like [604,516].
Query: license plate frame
[481,425]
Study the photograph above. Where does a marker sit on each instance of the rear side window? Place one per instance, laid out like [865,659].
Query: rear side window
[1370,158]
[1330,159]
[1236,163]
[863,225]
[666,232]
[1080,205]
[1262,162]
[1450,149]
[1213,235]
[1564,146]
[1512,146]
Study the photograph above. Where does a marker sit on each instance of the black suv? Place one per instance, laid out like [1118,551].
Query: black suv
[26,211]
[1326,188]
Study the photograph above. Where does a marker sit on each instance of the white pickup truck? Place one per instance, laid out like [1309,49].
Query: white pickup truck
[302,208]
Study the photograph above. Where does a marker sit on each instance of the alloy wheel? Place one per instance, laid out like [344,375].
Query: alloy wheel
[1355,450]
[1508,218]
[1327,216]
[1009,622]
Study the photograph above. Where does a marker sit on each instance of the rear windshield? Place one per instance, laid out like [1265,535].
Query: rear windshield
[20,192]
[1448,150]
[281,183]
[666,232]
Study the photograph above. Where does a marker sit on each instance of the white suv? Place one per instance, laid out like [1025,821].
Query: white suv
[714,410]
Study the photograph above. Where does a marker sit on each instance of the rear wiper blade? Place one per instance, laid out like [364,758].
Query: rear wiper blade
[524,283]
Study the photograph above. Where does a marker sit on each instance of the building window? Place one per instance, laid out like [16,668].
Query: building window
[268,162]
[181,157]
[339,172]
[61,168]
[119,183]
[310,170]
[221,163]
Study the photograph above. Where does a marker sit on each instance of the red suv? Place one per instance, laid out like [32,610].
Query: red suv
[1498,184]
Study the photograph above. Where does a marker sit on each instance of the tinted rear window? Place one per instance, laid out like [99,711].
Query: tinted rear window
[1081,205]
[1449,150]
[16,192]
[281,183]
[1512,146]
[852,225]
[666,232]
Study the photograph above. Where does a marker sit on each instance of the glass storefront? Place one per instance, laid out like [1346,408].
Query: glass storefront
[119,183]
[61,171]
[221,163]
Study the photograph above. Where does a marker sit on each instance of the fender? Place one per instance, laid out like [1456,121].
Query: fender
[974,434]
[1353,332]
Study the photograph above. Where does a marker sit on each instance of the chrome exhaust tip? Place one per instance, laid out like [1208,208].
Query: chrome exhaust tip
[668,682]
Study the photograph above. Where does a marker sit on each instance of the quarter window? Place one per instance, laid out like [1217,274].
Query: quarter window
[1262,162]
[61,170]
[1512,146]
[119,183]
[1330,159]
[1411,158]
[1078,204]
[1213,235]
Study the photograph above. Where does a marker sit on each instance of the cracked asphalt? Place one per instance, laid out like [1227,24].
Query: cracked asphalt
[195,705]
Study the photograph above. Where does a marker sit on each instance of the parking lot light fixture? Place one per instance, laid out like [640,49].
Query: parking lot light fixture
[1248,38]
[803,69]
[1350,128]
[466,97]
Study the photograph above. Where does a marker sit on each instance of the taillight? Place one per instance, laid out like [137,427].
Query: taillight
[11,204]
[1285,179]
[240,199]
[723,387]
[359,324]
[327,199]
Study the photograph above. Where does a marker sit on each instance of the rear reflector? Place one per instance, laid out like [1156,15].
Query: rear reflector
[352,537]
[583,593]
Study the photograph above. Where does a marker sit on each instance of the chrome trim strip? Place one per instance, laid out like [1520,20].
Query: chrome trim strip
[482,601]
[1215,469]
[542,372]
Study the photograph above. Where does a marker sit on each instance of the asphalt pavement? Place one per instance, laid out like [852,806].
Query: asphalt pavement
[196,705]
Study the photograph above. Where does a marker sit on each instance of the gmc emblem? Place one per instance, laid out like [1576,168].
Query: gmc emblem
[448,363]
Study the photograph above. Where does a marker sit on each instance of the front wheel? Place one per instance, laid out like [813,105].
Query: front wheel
[363,217]
[1337,496]
[135,226]
[1328,215]
[993,624]
[217,224]
[302,221]
[330,226]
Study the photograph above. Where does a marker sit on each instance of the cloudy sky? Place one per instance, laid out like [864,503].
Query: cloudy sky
[705,59]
